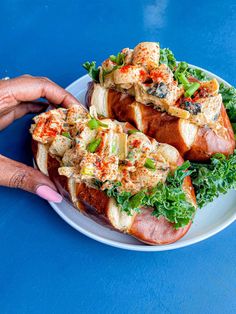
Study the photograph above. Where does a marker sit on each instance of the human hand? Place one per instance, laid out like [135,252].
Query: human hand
[17,98]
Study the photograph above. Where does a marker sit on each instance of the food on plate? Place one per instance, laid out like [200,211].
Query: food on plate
[115,174]
[171,102]
[130,174]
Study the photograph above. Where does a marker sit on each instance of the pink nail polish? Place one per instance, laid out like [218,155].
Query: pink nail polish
[48,194]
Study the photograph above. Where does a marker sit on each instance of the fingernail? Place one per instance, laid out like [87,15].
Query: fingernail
[48,194]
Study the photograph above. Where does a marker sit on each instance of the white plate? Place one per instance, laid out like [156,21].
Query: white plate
[207,222]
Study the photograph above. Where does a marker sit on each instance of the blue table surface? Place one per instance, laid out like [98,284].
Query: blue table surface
[45,265]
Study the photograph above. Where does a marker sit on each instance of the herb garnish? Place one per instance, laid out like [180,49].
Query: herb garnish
[192,89]
[167,57]
[181,74]
[92,146]
[93,72]
[229,100]
[168,199]
[66,134]
[215,178]
[119,59]
[198,74]
[94,124]
[181,69]
[149,164]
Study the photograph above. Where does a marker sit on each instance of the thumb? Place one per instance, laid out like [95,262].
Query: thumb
[18,175]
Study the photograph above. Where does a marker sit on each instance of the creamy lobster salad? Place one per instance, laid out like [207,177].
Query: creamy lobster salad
[115,158]
[153,77]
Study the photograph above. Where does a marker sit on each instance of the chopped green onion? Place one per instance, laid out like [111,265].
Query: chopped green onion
[182,68]
[92,146]
[102,124]
[66,134]
[136,200]
[133,131]
[192,89]
[149,163]
[119,59]
[183,79]
[94,124]
[113,58]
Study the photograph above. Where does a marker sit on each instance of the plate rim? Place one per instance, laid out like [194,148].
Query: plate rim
[142,247]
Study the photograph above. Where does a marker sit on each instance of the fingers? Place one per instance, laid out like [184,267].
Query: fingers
[6,120]
[8,116]
[30,107]
[29,88]
[17,175]
[54,93]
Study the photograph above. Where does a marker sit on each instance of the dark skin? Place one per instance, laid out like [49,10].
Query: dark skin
[18,97]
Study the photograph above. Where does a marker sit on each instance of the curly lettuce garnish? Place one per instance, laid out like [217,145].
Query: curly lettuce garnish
[229,100]
[168,199]
[215,178]
[198,74]
[167,57]
[182,72]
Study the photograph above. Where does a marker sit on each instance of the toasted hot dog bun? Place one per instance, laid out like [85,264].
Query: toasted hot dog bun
[193,142]
[104,210]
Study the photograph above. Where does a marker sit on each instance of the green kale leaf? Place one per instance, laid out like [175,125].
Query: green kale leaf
[198,74]
[93,72]
[215,178]
[167,57]
[229,100]
[168,199]
[123,199]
